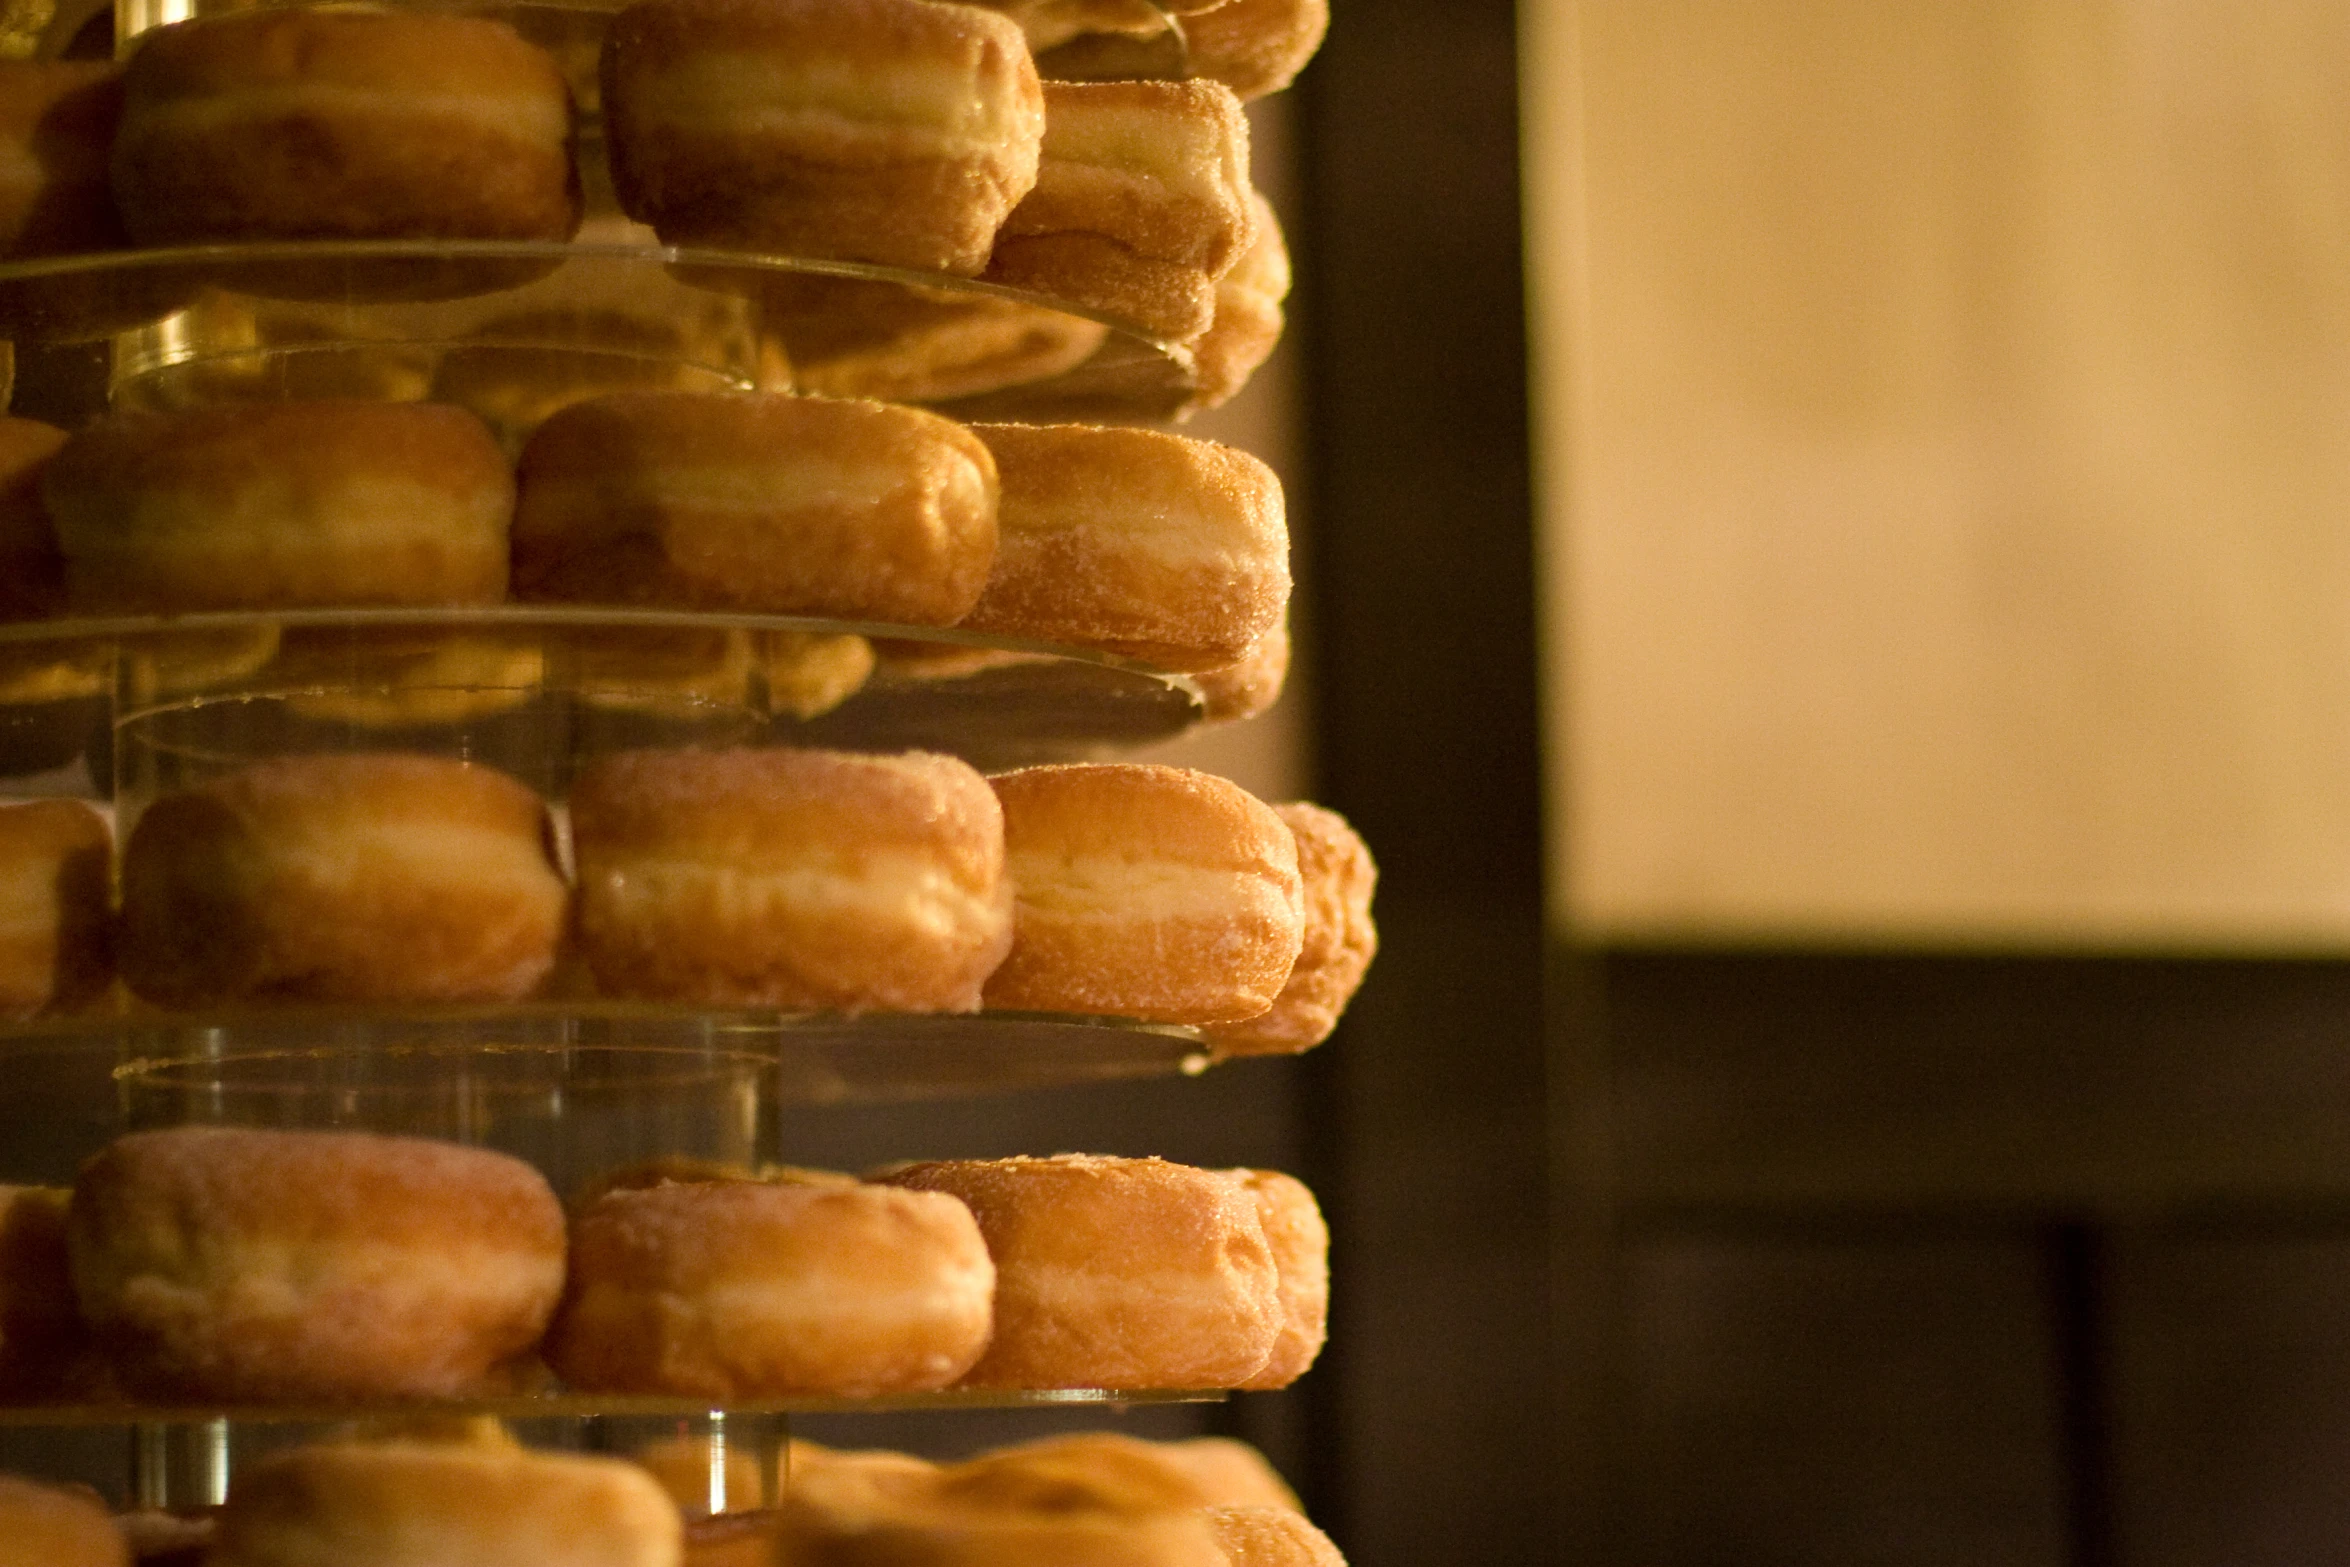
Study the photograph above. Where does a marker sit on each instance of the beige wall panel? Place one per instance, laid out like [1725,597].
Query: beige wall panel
[1946,432]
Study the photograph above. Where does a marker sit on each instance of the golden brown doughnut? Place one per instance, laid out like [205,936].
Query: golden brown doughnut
[320,123]
[807,674]
[792,879]
[890,131]
[32,572]
[685,1170]
[1116,1273]
[1301,1252]
[1271,1537]
[263,1266]
[1208,1471]
[360,877]
[1250,685]
[1140,205]
[850,337]
[1340,941]
[40,1324]
[281,505]
[47,1526]
[1249,318]
[416,1504]
[756,501]
[749,1289]
[1143,891]
[57,122]
[56,881]
[1166,549]
[399,678]
[1256,47]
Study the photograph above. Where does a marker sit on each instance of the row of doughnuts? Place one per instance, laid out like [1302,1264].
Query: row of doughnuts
[256,1267]
[1133,541]
[799,880]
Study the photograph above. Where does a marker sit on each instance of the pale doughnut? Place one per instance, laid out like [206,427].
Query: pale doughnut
[1166,549]
[1271,1537]
[1148,892]
[40,1323]
[790,878]
[56,881]
[1249,318]
[342,124]
[732,1290]
[1340,939]
[47,1526]
[404,1504]
[1251,684]
[355,877]
[57,122]
[266,1266]
[756,501]
[281,505]
[1116,1273]
[1256,47]
[1140,205]
[32,572]
[890,131]
[1294,1228]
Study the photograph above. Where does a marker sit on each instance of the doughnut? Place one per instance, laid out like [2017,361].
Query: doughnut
[1208,1471]
[1340,940]
[1165,549]
[420,1504]
[48,1526]
[40,1324]
[685,1170]
[259,1266]
[803,880]
[1140,205]
[1256,47]
[1271,1537]
[734,1539]
[282,505]
[1249,318]
[57,124]
[735,1290]
[1301,1253]
[756,501]
[678,671]
[402,678]
[56,881]
[1116,1273]
[165,1539]
[321,123]
[686,1466]
[1147,892]
[363,877]
[32,573]
[851,337]
[807,674]
[898,132]
[1251,684]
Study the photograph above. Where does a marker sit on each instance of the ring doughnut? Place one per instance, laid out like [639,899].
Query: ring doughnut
[1116,1273]
[1339,876]
[1301,1254]
[257,1265]
[1147,892]
[792,879]
[47,1526]
[359,877]
[56,874]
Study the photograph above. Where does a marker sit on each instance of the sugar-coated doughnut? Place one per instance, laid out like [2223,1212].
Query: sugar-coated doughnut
[751,1289]
[1167,549]
[281,505]
[418,1504]
[851,337]
[890,131]
[1116,1273]
[1251,684]
[57,122]
[358,877]
[682,1169]
[1271,1537]
[1339,876]
[48,1526]
[757,501]
[1144,891]
[1294,1228]
[1249,316]
[1256,47]
[1140,205]
[793,879]
[40,1324]
[320,123]
[56,881]
[32,572]
[265,1266]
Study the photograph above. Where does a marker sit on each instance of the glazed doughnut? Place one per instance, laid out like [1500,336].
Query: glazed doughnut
[1250,685]
[359,877]
[57,123]
[793,879]
[1249,318]
[891,131]
[735,1290]
[282,505]
[48,1526]
[343,124]
[1116,1273]
[1271,1537]
[267,1266]
[1165,549]
[40,1324]
[1140,205]
[1256,47]
[849,337]
[32,573]
[757,501]
[1340,941]
[1147,892]
[1301,1253]
[56,881]
[416,1504]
